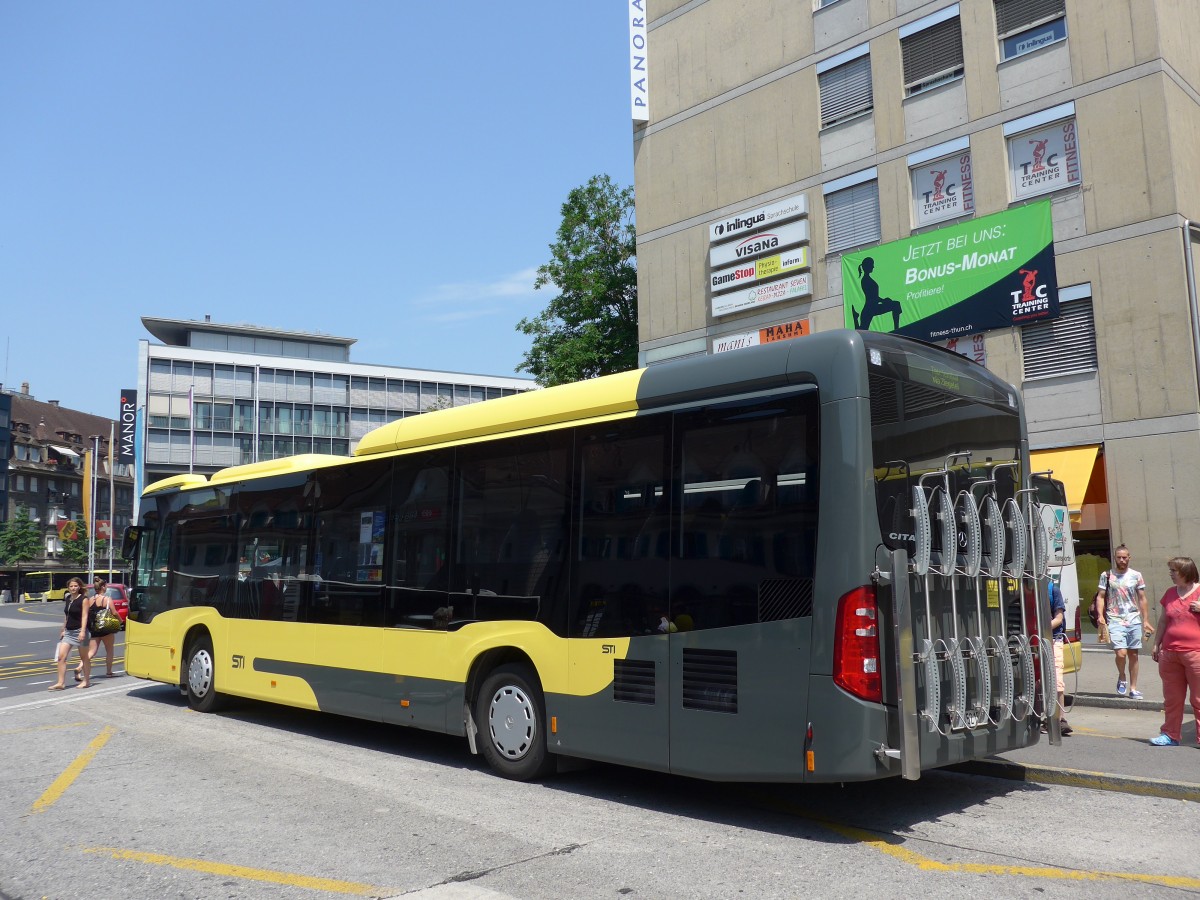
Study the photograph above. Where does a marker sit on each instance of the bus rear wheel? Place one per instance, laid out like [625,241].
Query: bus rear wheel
[201,675]
[511,715]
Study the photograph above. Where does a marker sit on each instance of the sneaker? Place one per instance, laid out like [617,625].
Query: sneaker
[1121,688]
[1135,695]
[1064,727]
[1163,740]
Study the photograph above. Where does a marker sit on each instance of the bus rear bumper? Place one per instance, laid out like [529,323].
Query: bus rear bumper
[851,739]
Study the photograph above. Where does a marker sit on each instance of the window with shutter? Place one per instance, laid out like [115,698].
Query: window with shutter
[1063,346]
[846,91]
[852,216]
[932,56]
[1026,25]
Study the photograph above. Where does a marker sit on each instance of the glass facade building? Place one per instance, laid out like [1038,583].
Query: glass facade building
[215,395]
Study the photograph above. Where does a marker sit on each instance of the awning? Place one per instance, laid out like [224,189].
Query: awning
[1072,466]
[65,451]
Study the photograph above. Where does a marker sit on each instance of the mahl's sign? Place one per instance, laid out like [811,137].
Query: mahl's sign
[759,256]
[993,272]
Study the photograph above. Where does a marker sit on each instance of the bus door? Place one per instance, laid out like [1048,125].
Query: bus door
[742,586]
[619,675]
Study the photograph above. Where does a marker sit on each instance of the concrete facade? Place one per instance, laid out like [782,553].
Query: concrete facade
[735,124]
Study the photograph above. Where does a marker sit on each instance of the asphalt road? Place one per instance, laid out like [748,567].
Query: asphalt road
[28,637]
[121,791]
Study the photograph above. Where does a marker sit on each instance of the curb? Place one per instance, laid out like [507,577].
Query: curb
[1099,781]
[1107,701]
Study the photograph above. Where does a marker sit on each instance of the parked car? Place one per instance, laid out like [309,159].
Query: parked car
[120,598]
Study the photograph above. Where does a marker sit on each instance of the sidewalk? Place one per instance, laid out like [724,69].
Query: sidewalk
[1109,749]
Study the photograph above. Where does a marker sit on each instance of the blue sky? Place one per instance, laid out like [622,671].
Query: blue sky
[389,171]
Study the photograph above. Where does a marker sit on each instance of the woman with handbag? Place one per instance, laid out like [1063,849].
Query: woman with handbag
[102,608]
[1177,649]
[74,634]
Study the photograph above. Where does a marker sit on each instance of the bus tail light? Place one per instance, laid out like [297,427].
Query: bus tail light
[856,646]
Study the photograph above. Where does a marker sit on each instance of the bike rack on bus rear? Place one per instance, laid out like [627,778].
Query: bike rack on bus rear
[1008,526]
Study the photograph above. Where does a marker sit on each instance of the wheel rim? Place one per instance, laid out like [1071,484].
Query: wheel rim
[512,722]
[200,673]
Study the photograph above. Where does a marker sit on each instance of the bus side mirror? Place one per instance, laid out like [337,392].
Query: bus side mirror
[129,542]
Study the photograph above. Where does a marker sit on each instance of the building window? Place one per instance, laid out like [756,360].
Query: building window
[1061,346]
[943,186]
[1026,25]
[932,50]
[852,211]
[845,85]
[1043,152]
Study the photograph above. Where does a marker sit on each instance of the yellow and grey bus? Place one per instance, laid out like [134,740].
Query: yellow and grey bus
[52,585]
[787,563]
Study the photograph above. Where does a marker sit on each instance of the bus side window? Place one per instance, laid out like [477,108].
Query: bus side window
[351,535]
[620,566]
[420,541]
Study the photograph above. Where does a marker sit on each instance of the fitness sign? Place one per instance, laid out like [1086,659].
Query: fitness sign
[993,272]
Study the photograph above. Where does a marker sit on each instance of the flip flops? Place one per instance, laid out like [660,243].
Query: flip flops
[57,687]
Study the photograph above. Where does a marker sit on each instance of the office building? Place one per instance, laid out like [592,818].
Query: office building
[215,395]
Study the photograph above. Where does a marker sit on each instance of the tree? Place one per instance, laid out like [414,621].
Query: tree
[590,328]
[75,547]
[20,539]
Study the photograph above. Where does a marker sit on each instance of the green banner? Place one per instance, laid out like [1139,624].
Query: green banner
[992,272]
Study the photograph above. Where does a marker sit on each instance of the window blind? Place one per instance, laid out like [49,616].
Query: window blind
[1062,346]
[852,216]
[932,53]
[1015,15]
[846,91]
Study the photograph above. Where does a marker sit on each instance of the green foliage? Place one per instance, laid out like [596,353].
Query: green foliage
[20,539]
[590,328]
[75,548]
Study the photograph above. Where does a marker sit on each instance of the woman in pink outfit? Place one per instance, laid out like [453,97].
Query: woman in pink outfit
[1177,649]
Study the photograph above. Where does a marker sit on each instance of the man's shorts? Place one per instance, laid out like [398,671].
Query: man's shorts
[1058,666]
[1125,637]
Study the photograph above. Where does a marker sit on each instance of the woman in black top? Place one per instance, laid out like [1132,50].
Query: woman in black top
[74,634]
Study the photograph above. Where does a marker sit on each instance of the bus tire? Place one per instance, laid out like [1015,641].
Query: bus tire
[200,675]
[511,715]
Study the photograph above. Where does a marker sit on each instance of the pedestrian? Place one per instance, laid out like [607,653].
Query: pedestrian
[1120,604]
[100,600]
[1058,633]
[1177,649]
[74,634]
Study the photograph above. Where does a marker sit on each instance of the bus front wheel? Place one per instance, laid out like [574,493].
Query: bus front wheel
[201,675]
[511,716]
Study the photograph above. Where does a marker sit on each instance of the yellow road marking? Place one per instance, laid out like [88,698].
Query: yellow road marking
[932,865]
[20,656]
[67,778]
[889,846]
[330,885]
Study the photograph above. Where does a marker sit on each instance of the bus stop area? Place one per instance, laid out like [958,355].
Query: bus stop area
[1108,748]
